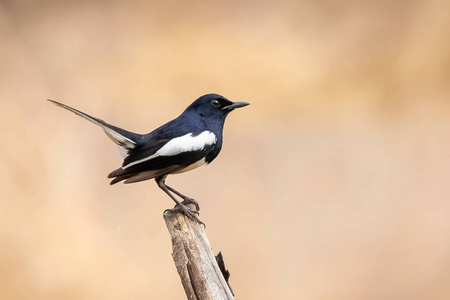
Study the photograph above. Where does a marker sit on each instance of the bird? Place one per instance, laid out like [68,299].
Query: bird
[191,140]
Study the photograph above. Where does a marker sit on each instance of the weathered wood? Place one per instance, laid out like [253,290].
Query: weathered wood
[194,259]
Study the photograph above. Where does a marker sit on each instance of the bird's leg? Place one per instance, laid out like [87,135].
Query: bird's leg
[179,207]
[162,185]
[186,199]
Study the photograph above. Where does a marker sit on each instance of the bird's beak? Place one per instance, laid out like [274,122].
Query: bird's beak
[235,105]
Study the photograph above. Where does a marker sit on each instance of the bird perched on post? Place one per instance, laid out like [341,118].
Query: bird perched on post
[187,142]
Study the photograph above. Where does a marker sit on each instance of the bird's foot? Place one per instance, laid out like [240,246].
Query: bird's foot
[185,210]
[188,200]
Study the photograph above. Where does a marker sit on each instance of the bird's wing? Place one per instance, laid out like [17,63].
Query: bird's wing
[145,175]
[157,157]
[158,147]
[125,140]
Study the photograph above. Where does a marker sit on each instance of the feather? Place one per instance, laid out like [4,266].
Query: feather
[179,145]
[125,140]
[141,176]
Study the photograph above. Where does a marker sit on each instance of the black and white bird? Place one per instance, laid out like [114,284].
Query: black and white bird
[187,142]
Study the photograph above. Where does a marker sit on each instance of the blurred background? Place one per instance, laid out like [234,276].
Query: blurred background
[333,184]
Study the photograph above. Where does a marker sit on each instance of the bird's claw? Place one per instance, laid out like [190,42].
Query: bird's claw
[191,214]
[188,200]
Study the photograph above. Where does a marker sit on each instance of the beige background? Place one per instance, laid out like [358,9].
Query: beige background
[333,184]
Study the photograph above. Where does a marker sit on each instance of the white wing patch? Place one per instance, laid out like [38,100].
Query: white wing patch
[185,143]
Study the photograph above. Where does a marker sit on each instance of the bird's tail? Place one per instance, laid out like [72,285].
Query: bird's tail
[125,140]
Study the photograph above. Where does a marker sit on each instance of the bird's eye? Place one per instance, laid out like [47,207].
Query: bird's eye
[215,103]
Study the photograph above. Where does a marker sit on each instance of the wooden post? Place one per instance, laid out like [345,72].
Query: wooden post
[194,259]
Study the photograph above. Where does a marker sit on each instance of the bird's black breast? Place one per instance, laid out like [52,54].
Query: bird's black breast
[213,153]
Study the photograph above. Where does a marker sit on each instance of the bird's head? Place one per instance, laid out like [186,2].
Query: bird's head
[214,105]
